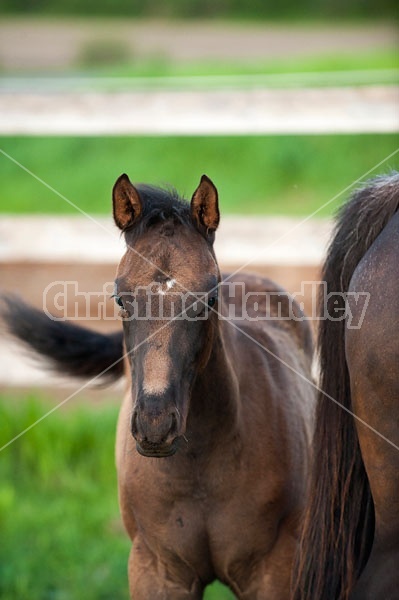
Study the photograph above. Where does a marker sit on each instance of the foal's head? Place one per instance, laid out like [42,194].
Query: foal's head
[166,284]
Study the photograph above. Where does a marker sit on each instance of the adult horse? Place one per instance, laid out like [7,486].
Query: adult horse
[350,542]
[213,435]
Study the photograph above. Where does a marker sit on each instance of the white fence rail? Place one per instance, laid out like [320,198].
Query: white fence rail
[363,109]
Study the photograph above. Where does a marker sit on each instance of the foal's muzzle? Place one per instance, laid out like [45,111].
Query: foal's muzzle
[156,433]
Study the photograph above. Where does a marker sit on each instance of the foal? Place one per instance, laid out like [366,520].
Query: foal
[213,435]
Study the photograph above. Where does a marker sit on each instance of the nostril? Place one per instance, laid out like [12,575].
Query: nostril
[133,424]
[174,422]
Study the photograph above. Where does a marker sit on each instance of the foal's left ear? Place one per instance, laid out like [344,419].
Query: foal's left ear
[126,202]
[205,207]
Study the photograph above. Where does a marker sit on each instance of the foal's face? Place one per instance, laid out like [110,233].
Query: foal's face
[166,283]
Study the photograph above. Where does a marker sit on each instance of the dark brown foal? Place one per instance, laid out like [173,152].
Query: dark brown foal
[213,436]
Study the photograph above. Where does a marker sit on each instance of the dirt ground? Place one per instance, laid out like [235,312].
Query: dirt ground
[48,44]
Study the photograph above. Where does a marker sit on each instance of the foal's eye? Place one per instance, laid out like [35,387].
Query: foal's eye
[118,300]
[212,301]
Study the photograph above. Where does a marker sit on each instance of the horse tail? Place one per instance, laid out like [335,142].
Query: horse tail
[339,521]
[70,349]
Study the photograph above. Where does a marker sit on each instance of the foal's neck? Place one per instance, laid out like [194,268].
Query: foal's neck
[214,406]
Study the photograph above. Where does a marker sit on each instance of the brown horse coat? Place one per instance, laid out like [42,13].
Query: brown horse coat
[350,542]
[227,504]
[213,435]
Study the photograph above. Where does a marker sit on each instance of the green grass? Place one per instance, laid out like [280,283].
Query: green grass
[287,175]
[307,10]
[356,61]
[61,535]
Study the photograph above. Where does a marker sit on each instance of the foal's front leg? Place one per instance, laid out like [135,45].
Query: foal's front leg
[271,579]
[149,578]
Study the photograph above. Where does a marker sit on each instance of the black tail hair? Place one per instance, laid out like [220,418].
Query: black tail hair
[339,522]
[70,349]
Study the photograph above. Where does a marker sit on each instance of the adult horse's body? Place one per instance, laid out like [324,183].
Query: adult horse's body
[213,435]
[350,545]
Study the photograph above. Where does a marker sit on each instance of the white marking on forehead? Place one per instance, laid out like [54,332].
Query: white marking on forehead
[169,284]
[156,372]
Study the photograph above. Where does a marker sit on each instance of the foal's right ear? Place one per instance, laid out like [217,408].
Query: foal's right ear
[126,201]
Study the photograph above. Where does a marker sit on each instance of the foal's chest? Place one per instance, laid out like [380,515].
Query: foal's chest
[198,517]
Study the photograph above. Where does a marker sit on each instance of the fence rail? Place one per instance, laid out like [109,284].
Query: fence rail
[362,109]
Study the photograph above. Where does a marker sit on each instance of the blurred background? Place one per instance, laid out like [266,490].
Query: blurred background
[286,107]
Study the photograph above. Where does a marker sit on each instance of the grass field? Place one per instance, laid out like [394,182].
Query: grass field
[288,175]
[322,63]
[61,535]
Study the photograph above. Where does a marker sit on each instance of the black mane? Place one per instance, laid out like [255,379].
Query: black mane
[159,205]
